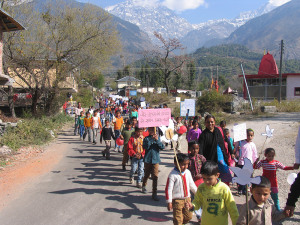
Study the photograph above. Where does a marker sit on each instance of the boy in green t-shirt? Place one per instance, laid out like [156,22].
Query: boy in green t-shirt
[126,134]
[80,123]
[214,197]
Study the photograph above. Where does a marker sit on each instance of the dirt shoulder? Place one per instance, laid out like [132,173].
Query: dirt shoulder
[285,127]
[29,164]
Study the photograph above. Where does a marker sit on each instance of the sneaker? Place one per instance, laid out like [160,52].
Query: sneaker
[119,150]
[103,153]
[131,180]
[124,168]
[94,142]
[155,197]
[144,190]
[139,184]
[116,149]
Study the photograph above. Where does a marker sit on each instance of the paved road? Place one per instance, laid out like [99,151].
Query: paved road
[84,188]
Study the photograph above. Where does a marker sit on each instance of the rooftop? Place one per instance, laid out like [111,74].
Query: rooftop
[128,78]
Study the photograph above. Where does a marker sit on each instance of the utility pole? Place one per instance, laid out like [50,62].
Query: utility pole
[280,71]
[218,74]
[245,80]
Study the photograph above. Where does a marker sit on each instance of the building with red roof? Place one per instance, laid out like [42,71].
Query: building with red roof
[265,84]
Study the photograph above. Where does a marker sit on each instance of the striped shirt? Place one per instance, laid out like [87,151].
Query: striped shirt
[270,168]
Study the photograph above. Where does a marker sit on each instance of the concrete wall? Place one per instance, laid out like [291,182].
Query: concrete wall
[291,83]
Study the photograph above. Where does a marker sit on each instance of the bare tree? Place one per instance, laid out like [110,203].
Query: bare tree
[57,41]
[165,59]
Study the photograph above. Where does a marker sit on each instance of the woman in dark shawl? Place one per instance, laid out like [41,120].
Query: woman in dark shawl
[210,138]
[212,146]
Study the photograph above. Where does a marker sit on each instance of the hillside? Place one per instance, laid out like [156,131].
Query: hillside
[133,39]
[266,31]
[222,62]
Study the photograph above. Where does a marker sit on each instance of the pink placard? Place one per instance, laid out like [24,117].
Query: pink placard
[154,117]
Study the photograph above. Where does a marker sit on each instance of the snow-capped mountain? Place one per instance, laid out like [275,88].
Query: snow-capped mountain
[211,32]
[152,17]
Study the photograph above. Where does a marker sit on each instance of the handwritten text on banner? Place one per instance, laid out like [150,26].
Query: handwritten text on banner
[154,117]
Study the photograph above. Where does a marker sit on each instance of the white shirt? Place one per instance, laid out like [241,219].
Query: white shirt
[96,122]
[174,188]
[78,111]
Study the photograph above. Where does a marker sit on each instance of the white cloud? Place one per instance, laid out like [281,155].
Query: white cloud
[182,5]
[278,2]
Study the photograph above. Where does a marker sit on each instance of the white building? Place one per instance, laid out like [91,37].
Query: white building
[128,82]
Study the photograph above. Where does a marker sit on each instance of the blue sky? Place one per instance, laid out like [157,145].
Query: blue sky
[196,11]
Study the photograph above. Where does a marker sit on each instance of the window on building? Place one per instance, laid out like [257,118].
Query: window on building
[297,91]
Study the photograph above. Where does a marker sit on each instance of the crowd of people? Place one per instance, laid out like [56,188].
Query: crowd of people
[202,168]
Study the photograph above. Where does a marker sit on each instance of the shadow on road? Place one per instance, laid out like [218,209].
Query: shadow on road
[96,175]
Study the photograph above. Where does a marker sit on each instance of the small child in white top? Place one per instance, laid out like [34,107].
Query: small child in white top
[178,190]
[247,150]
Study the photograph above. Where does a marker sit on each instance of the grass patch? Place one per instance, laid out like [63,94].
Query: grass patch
[34,131]
[285,106]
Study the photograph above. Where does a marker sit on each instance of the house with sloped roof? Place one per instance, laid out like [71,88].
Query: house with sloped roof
[128,81]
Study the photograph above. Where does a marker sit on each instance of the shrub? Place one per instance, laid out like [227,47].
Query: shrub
[34,131]
[85,96]
[155,99]
[213,101]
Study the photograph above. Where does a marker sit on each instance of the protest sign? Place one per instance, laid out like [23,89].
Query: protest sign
[240,132]
[143,104]
[178,99]
[188,106]
[154,117]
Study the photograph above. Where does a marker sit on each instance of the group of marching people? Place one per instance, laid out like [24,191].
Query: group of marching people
[203,169]
[204,172]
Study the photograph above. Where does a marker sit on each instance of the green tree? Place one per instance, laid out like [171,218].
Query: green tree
[191,68]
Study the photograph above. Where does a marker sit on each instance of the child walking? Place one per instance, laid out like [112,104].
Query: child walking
[178,189]
[196,161]
[88,122]
[152,146]
[261,210]
[194,133]
[118,121]
[107,134]
[270,166]
[247,150]
[96,126]
[81,124]
[214,197]
[137,152]
[126,134]
[179,140]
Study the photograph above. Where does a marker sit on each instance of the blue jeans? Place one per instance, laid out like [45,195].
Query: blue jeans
[139,165]
[76,126]
[81,130]
[276,200]
[117,134]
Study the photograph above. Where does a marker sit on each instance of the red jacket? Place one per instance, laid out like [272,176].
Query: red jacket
[133,145]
